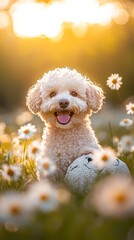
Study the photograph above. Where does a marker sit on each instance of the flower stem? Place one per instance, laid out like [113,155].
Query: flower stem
[24,151]
[111,133]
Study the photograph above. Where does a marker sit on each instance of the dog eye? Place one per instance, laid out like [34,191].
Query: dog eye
[74,94]
[52,94]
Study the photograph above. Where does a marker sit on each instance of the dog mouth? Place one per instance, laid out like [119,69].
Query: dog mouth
[63,117]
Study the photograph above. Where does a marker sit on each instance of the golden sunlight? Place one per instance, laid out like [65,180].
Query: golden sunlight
[34,19]
[4,4]
[4,19]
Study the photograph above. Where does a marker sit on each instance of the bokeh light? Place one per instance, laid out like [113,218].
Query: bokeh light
[32,18]
[121,15]
[27,18]
[4,19]
[4,4]
[35,19]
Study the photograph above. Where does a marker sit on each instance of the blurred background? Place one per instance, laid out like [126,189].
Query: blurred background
[94,36]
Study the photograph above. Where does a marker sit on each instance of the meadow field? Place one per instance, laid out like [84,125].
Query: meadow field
[95,37]
[62,214]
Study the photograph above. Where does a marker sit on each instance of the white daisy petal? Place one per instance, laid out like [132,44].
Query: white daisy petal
[11,172]
[27,131]
[114,81]
[34,149]
[114,196]
[126,122]
[125,144]
[43,196]
[14,208]
[130,108]
[45,166]
[102,158]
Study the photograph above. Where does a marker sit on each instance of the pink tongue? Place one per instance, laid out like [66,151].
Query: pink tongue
[63,118]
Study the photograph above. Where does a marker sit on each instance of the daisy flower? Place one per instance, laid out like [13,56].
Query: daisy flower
[114,81]
[114,196]
[11,172]
[125,144]
[45,166]
[132,148]
[14,208]
[102,158]
[126,122]
[43,196]
[130,108]
[27,131]
[33,149]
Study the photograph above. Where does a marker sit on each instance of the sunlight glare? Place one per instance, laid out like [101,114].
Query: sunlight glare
[53,19]
[27,18]
[34,19]
[4,4]
[88,11]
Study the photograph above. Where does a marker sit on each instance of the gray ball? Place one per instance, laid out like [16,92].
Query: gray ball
[117,167]
[82,173]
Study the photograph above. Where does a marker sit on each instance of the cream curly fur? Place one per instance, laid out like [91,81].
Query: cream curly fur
[64,143]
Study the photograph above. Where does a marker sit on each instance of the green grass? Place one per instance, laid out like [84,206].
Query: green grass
[75,219]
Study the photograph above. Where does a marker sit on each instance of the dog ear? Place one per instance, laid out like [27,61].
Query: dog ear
[95,97]
[34,100]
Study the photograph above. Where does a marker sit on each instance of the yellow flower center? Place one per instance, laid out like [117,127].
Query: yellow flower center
[44,197]
[132,108]
[46,165]
[26,131]
[114,81]
[34,150]
[120,198]
[15,210]
[125,121]
[10,172]
[104,158]
[128,143]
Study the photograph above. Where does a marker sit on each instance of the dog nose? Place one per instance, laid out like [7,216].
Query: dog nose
[63,103]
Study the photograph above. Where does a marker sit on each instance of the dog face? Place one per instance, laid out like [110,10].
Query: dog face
[63,97]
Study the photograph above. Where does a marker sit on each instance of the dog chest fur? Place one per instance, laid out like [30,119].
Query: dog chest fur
[63,146]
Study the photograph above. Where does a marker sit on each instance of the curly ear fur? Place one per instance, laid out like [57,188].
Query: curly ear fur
[94,97]
[34,100]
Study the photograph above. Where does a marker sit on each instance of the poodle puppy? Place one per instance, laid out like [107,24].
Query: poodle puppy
[65,99]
